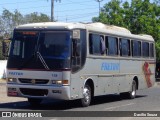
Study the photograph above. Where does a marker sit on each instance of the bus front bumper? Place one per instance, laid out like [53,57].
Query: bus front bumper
[37,91]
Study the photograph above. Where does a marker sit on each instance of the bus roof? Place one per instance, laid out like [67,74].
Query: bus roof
[92,27]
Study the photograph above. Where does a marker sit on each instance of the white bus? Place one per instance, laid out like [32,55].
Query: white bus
[68,61]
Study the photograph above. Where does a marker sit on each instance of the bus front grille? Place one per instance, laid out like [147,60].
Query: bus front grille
[36,81]
[34,92]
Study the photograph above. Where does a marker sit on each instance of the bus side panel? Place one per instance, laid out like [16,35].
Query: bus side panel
[124,83]
[75,86]
[130,69]
[102,72]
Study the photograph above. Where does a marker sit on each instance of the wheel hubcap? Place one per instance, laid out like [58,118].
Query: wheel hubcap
[86,95]
[133,90]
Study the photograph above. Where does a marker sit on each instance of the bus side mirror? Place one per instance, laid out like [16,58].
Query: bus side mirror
[5,47]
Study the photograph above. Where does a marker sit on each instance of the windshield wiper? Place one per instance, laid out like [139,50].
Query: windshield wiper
[42,60]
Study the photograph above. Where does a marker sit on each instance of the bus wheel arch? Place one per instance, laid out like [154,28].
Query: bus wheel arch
[91,84]
[88,93]
[134,88]
[136,80]
[132,93]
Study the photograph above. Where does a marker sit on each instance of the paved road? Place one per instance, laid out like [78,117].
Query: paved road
[146,100]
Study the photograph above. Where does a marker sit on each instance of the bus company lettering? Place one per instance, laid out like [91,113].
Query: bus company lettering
[110,66]
[16,73]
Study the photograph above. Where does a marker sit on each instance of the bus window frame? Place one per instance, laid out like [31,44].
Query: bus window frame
[101,52]
[151,43]
[135,56]
[120,47]
[107,49]
[143,50]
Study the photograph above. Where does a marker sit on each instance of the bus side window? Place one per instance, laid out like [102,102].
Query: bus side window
[112,46]
[124,47]
[151,50]
[136,48]
[96,44]
[145,49]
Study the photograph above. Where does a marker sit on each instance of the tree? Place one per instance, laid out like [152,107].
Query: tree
[139,16]
[112,13]
[9,20]
[17,18]
[36,17]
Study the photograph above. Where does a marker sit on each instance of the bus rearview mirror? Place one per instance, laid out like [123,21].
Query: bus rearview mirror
[5,47]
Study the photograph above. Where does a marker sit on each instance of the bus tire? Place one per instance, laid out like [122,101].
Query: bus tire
[34,102]
[132,93]
[86,100]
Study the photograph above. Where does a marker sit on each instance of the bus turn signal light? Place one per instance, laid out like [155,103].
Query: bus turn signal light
[60,82]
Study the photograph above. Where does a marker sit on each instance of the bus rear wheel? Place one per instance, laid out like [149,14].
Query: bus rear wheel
[34,101]
[86,100]
[132,93]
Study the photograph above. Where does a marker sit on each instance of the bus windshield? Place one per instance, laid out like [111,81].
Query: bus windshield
[53,47]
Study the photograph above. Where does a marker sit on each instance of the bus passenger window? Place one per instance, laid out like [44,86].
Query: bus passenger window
[96,44]
[145,49]
[112,46]
[136,48]
[151,50]
[124,47]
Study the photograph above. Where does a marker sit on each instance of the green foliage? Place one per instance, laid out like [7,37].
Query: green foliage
[139,16]
[36,17]
[9,20]
[1,55]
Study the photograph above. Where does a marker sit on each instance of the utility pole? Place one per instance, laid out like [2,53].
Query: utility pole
[52,9]
[99,1]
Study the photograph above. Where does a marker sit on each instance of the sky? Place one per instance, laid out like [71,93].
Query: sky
[64,10]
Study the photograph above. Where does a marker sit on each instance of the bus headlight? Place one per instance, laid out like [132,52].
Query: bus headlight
[60,82]
[11,80]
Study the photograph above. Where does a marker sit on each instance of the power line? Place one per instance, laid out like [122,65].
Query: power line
[82,14]
[70,17]
[48,6]
[77,9]
[19,2]
[76,17]
[80,17]
[71,2]
[93,7]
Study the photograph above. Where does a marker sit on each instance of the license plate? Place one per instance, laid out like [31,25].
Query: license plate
[12,93]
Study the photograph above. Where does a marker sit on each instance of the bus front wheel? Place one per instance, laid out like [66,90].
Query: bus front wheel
[86,100]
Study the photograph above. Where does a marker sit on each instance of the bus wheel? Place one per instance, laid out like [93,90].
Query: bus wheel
[34,101]
[86,100]
[132,93]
